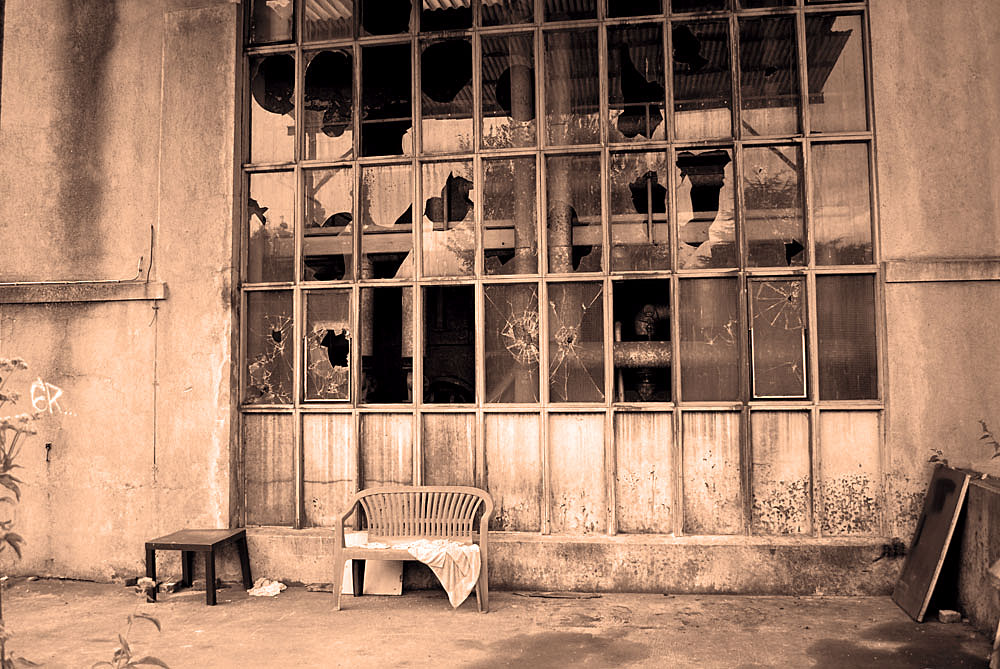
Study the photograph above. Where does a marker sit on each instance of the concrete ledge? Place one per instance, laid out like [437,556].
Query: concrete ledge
[965,269]
[70,291]
[978,535]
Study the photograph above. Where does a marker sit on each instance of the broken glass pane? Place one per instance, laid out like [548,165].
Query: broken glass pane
[702,80]
[329,115]
[769,76]
[642,349]
[698,5]
[386,116]
[635,82]
[448,222]
[778,337]
[572,110]
[270,228]
[272,108]
[385,333]
[386,222]
[634,7]
[772,201]
[709,333]
[574,237]
[706,227]
[510,228]
[452,15]
[842,215]
[640,233]
[271,21]
[446,95]
[270,348]
[385,17]
[511,342]
[327,244]
[328,337]
[501,12]
[329,19]
[508,87]
[561,10]
[836,73]
[449,345]
[846,328]
[576,342]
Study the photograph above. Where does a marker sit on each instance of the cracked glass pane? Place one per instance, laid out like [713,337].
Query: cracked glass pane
[634,7]
[836,73]
[511,342]
[385,334]
[502,12]
[640,232]
[636,90]
[328,337]
[448,223]
[706,227]
[576,342]
[778,337]
[329,115]
[386,115]
[446,95]
[642,349]
[772,201]
[769,76]
[270,216]
[269,348]
[703,94]
[451,15]
[573,184]
[842,214]
[709,339]
[329,19]
[271,21]
[327,245]
[846,332]
[385,17]
[510,228]
[508,88]
[272,108]
[386,222]
[560,10]
[449,344]
[572,109]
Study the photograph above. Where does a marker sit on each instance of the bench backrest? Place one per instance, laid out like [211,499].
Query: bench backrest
[426,511]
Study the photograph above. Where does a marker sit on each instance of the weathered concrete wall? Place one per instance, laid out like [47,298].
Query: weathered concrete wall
[978,548]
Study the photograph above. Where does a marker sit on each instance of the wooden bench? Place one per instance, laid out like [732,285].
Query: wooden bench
[400,514]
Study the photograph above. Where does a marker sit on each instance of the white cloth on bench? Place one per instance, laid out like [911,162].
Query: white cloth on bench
[455,564]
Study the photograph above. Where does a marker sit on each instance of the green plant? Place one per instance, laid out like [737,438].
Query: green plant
[122,658]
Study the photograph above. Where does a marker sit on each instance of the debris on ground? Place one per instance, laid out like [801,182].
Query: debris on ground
[264,587]
[558,595]
[170,586]
[949,616]
[319,587]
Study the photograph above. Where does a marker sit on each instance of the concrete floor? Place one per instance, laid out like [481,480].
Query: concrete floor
[75,624]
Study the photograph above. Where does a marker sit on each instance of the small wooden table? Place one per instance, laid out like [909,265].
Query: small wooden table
[190,542]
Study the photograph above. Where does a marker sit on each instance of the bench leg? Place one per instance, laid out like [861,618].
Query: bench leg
[338,581]
[151,572]
[241,546]
[358,567]
[483,589]
[210,578]
[187,566]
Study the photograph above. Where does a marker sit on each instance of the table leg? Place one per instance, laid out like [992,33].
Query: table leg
[241,547]
[151,572]
[187,566]
[210,578]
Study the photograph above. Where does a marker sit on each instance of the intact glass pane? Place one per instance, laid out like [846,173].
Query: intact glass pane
[698,5]
[636,90]
[780,473]
[508,88]
[448,225]
[502,12]
[640,232]
[452,15]
[272,108]
[328,339]
[329,19]
[560,10]
[769,82]
[634,7]
[642,349]
[270,227]
[327,244]
[576,342]
[772,201]
[449,344]
[778,337]
[385,334]
[269,468]
[573,184]
[572,110]
[271,21]
[709,332]
[511,342]
[842,215]
[384,17]
[706,226]
[446,95]
[329,111]
[703,93]
[510,226]
[386,222]
[845,307]
[386,116]
[836,73]
[270,348]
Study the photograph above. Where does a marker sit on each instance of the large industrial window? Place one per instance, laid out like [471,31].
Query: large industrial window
[613,261]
